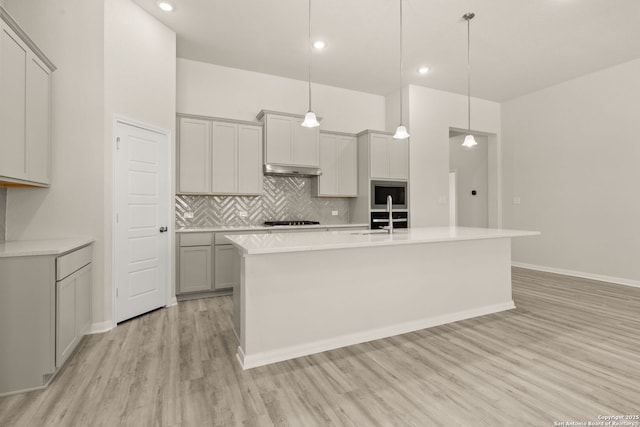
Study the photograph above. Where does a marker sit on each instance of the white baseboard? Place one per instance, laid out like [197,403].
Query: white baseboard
[172,301]
[598,277]
[291,352]
[100,327]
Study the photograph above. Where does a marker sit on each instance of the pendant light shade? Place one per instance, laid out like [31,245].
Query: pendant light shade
[469,140]
[310,120]
[401,131]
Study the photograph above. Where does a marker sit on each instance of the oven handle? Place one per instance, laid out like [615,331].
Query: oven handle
[386,220]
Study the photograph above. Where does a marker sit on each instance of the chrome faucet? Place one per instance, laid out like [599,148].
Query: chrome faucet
[389,227]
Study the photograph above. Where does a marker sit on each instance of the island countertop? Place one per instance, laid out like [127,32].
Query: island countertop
[256,244]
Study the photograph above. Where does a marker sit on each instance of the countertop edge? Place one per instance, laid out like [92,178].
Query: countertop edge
[21,248]
[234,228]
[494,234]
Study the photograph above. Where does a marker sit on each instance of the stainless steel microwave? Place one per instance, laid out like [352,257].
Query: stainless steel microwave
[381,189]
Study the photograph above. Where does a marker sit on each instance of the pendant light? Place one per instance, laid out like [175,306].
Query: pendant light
[310,120]
[401,131]
[469,140]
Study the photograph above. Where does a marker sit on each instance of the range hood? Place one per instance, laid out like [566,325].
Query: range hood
[280,170]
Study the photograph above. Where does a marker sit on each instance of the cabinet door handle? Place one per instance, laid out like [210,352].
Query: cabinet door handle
[163,229]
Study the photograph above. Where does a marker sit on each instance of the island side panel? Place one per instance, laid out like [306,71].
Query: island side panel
[300,303]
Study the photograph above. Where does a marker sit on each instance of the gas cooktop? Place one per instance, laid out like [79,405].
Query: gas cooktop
[292,222]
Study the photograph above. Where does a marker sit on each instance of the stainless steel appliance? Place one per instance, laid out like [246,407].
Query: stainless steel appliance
[381,219]
[380,190]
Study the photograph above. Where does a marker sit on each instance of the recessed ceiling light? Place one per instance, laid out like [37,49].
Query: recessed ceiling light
[423,70]
[319,44]
[165,5]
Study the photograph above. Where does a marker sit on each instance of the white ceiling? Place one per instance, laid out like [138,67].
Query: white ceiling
[517,46]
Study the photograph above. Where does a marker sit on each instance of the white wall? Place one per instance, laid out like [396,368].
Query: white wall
[140,76]
[112,58]
[212,90]
[431,114]
[70,32]
[471,167]
[573,156]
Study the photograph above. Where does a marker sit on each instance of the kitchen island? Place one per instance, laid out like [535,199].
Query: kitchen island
[305,293]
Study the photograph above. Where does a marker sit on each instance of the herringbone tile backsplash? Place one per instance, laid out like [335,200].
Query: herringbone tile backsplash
[284,198]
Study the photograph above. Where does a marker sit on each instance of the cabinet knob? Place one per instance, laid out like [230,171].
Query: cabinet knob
[163,229]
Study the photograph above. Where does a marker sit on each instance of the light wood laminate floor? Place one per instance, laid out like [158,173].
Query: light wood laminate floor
[569,352]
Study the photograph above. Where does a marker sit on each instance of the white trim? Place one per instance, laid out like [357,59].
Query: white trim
[30,389]
[267,357]
[584,275]
[170,297]
[100,327]
[173,301]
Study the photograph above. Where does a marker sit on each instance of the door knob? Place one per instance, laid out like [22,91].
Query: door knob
[163,229]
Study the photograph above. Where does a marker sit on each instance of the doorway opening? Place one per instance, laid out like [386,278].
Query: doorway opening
[474,181]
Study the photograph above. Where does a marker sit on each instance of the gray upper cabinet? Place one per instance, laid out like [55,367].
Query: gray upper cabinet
[339,164]
[388,157]
[225,155]
[25,108]
[287,143]
[250,159]
[217,156]
[194,166]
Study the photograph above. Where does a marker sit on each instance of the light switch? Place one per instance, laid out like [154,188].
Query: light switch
[334,213]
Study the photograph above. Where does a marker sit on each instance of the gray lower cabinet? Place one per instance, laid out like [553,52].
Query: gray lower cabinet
[73,312]
[208,264]
[195,263]
[45,306]
[226,263]
[195,269]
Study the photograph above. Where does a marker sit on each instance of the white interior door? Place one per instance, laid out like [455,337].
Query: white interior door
[141,237]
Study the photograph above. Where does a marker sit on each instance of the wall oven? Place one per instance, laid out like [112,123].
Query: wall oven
[381,219]
[381,189]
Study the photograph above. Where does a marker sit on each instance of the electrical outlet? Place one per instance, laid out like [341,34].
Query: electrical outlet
[243,214]
[334,213]
[516,200]
[188,215]
[442,200]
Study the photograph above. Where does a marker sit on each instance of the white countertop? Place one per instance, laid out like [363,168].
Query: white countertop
[19,248]
[255,244]
[230,228]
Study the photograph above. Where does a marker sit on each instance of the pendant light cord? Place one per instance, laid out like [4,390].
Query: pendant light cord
[309,45]
[400,61]
[468,17]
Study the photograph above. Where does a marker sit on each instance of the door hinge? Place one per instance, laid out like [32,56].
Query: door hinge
[117,218]
[117,143]
[116,292]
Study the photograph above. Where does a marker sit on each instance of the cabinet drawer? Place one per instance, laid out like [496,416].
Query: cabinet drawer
[73,261]
[221,240]
[195,239]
